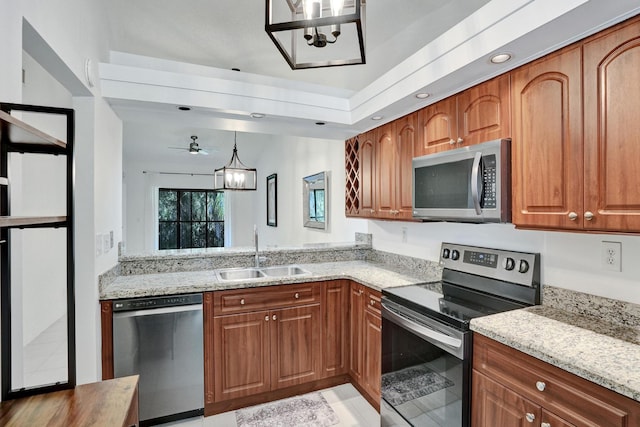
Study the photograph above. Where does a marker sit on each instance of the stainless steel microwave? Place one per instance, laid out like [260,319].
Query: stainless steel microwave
[469,184]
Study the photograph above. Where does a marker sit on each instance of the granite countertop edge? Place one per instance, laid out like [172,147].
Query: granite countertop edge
[373,275]
[602,359]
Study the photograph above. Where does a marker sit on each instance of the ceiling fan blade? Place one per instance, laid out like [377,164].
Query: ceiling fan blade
[178,148]
[203,152]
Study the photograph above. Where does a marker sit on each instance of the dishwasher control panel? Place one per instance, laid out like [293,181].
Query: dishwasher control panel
[156,302]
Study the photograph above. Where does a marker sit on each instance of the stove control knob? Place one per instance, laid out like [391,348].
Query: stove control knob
[455,255]
[508,263]
[445,253]
[524,266]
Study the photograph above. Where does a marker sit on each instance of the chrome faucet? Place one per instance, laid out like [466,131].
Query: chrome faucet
[255,239]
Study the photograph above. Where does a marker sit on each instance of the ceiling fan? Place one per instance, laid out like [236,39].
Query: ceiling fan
[194,148]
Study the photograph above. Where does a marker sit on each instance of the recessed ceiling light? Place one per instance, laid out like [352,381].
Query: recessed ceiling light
[422,95]
[184,108]
[376,118]
[257,115]
[320,123]
[500,58]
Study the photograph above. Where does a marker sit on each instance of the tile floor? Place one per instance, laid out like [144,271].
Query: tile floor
[45,357]
[351,408]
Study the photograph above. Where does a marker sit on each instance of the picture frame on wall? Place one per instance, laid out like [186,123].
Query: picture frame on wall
[272,200]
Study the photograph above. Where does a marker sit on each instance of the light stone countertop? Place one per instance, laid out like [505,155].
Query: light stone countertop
[376,276]
[606,354]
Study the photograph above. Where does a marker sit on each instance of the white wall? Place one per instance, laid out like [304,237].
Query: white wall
[569,260]
[65,42]
[292,158]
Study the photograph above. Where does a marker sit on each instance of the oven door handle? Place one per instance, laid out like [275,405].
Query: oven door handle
[419,329]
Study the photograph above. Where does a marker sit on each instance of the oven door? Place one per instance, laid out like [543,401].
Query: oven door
[425,370]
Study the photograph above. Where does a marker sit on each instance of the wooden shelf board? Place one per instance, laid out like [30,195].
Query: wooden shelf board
[17,221]
[22,132]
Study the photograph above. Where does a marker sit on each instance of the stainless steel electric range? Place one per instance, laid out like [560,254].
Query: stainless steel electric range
[426,341]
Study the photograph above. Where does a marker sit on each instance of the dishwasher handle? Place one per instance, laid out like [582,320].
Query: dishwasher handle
[156,311]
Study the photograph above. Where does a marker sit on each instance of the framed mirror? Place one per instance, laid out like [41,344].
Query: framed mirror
[315,197]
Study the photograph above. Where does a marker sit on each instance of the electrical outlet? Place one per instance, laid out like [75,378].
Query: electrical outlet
[98,244]
[611,254]
[106,243]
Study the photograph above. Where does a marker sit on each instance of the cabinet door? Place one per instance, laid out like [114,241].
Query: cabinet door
[495,405]
[295,340]
[372,346]
[241,362]
[367,173]
[553,420]
[405,133]
[356,313]
[484,112]
[335,332]
[386,161]
[612,130]
[437,127]
[547,166]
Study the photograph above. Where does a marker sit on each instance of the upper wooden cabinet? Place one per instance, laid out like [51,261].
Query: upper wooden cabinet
[576,137]
[394,153]
[547,142]
[611,61]
[381,160]
[481,113]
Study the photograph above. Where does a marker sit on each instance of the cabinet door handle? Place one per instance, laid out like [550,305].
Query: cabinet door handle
[274,317]
[297,295]
[372,302]
[266,318]
[452,141]
[588,215]
[545,425]
[242,301]
[573,216]
[540,385]
[530,417]
[460,140]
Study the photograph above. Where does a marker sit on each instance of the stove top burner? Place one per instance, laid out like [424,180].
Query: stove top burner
[476,282]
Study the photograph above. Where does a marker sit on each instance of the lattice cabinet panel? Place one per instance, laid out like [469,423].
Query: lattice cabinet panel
[352,177]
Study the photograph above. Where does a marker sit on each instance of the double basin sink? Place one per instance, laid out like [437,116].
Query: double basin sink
[250,273]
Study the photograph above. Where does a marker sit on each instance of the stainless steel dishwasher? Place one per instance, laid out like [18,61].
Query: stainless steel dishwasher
[160,339]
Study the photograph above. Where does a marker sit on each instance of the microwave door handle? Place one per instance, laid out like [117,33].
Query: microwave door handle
[476,183]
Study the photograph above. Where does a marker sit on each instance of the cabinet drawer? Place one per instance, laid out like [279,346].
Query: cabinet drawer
[576,400]
[372,301]
[247,300]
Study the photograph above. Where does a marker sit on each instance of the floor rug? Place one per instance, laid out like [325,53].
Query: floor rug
[411,383]
[309,410]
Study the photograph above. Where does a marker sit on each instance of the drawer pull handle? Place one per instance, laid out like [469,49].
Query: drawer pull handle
[242,301]
[540,385]
[372,302]
[545,425]
[274,317]
[266,318]
[530,417]
[297,295]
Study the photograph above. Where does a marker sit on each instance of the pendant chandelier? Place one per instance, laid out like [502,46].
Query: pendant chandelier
[235,175]
[317,33]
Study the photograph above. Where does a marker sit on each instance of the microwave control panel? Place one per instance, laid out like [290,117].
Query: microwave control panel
[489,181]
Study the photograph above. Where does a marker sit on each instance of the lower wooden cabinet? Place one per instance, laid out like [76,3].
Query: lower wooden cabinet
[335,330]
[514,389]
[366,341]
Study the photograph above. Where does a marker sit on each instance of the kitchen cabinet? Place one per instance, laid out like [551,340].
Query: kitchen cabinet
[270,342]
[479,114]
[352,176]
[512,388]
[612,129]
[335,328]
[31,159]
[577,137]
[547,150]
[384,171]
[366,341]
